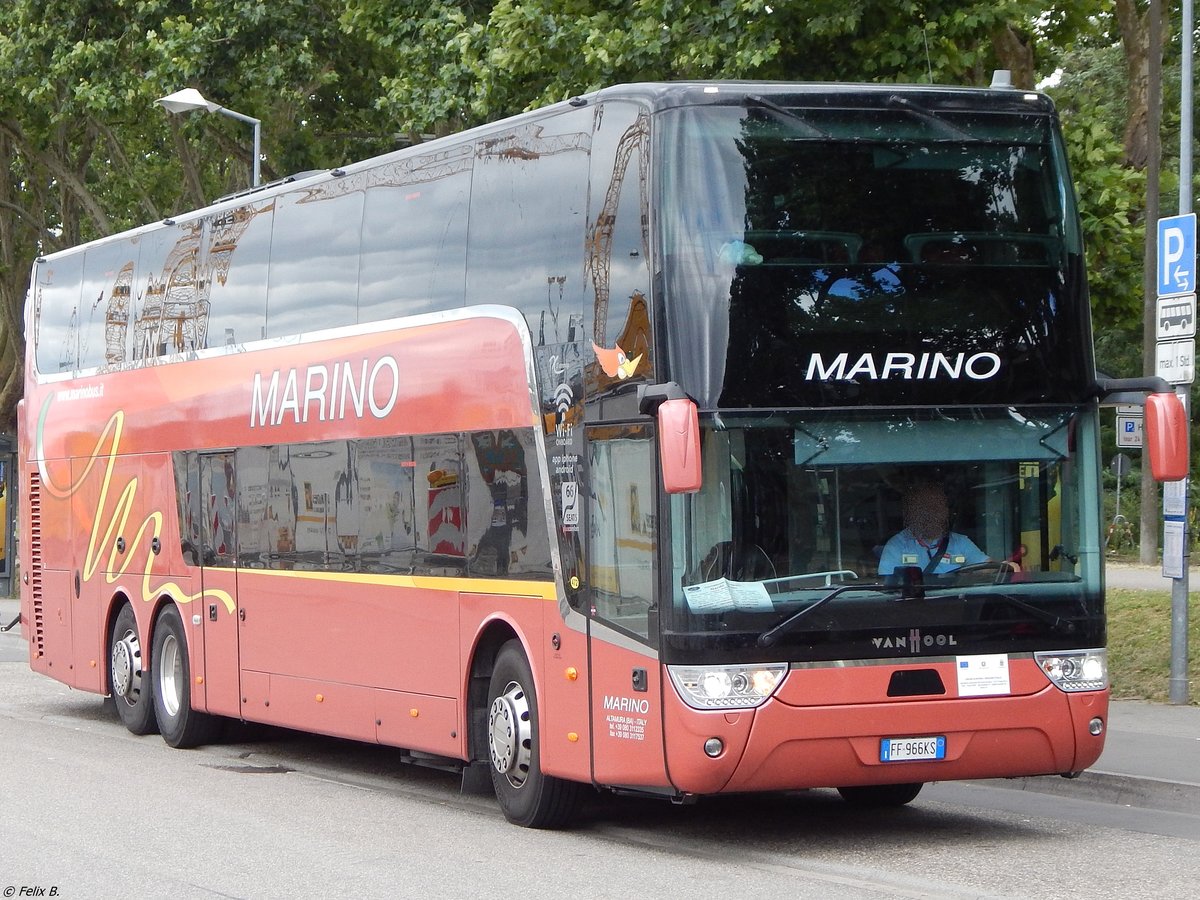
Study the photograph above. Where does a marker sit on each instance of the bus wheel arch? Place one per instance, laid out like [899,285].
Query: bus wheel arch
[180,724]
[526,795]
[488,642]
[130,682]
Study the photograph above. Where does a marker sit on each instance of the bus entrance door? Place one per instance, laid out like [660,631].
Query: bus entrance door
[627,736]
[217,521]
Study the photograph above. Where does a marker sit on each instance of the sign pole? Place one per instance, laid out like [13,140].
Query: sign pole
[1175,361]
[1178,684]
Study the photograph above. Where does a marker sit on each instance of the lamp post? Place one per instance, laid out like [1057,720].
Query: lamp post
[190,99]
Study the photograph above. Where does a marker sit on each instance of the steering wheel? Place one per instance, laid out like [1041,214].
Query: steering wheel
[1004,569]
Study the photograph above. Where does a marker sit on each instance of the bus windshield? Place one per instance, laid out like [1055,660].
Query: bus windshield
[821,515]
[858,255]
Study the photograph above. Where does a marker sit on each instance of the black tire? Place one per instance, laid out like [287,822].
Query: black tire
[876,796]
[180,725]
[527,797]
[128,675]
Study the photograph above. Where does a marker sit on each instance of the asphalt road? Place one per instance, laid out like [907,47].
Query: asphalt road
[96,812]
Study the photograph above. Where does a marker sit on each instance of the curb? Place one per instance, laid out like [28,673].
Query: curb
[1111,788]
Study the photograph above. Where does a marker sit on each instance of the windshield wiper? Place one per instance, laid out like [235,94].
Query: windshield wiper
[757,100]
[770,636]
[946,128]
[1057,623]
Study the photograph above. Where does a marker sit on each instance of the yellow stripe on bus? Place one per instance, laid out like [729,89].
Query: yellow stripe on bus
[542,590]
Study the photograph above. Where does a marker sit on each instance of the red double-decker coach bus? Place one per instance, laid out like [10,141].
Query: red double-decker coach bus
[586,449]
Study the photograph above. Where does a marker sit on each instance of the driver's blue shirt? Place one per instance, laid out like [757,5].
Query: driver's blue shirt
[905,549]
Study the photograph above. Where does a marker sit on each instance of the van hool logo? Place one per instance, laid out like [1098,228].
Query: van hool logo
[915,641]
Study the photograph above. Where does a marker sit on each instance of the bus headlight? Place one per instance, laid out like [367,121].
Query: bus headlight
[727,687]
[1075,670]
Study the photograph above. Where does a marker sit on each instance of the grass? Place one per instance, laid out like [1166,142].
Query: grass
[1139,645]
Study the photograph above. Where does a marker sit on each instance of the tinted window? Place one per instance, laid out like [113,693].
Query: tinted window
[440,505]
[528,203]
[414,237]
[796,241]
[297,506]
[237,246]
[387,492]
[623,527]
[170,307]
[187,500]
[108,272]
[56,292]
[218,489]
[506,519]
[619,277]
[313,282]
[419,505]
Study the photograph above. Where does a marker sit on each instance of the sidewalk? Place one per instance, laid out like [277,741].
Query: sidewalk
[1151,760]
[1145,578]
[9,607]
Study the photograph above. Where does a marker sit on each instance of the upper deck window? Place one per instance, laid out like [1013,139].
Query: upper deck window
[313,280]
[889,230]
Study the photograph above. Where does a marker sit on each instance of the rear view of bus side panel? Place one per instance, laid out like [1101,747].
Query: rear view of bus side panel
[46,580]
[47,591]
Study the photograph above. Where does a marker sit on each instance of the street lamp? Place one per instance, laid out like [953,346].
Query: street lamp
[190,99]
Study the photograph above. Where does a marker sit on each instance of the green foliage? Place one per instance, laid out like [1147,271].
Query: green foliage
[1111,209]
[1091,100]
[451,64]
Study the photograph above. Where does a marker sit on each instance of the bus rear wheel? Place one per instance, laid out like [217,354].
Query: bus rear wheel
[129,682]
[181,725]
[875,796]
[527,797]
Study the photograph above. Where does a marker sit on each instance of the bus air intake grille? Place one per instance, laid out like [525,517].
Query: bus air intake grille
[38,638]
[915,683]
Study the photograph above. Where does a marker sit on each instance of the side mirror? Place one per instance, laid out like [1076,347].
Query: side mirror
[679,446]
[1166,436]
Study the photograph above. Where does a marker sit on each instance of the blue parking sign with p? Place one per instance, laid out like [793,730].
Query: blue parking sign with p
[1177,255]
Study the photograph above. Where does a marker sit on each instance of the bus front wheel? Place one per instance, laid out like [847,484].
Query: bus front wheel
[527,797]
[880,795]
[129,681]
[181,725]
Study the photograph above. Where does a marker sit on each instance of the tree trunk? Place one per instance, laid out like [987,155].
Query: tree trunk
[1014,51]
[1141,36]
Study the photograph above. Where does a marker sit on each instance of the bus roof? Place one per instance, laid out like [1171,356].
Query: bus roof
[667,95]
[657,96]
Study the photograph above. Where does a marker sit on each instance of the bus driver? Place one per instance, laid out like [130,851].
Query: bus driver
[926,541]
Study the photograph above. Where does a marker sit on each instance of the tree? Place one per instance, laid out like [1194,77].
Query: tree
[1104,96]
[87,152]
[1142,38]
[461,63]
